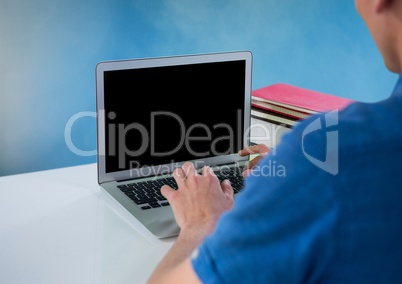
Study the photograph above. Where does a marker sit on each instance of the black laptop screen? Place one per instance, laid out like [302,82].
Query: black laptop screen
[162,115]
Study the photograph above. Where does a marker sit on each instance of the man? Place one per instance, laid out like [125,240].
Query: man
[341,225]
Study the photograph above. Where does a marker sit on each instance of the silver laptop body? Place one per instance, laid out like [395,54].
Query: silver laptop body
[154,114]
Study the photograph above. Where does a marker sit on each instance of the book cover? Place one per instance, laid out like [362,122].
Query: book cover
[300,99]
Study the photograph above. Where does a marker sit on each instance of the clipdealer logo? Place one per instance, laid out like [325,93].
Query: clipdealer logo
[68,137]
[331,162]
[117,136]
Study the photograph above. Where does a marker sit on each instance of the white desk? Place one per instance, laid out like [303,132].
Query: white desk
[58,227]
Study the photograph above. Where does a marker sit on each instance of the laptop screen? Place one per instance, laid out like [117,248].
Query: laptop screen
[170,114]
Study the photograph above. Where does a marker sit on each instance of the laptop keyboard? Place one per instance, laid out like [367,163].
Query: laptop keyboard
[147,194]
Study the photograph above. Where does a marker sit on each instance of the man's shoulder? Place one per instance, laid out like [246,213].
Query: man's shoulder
[328,145]
[358,127]
[371,123]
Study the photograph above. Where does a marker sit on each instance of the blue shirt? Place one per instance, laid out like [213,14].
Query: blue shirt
[325,207]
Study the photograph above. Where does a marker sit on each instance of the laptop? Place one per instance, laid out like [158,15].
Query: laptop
[154,114]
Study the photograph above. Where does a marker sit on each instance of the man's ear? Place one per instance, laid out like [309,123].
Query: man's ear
[381,5]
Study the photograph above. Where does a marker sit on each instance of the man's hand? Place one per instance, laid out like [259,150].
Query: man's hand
[199,200]
[260,149]
[197,205]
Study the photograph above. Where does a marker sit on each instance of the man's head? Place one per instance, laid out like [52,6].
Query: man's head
[384,20]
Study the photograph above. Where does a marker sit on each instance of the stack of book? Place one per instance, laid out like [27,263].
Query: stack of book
[285,104]
[275,109]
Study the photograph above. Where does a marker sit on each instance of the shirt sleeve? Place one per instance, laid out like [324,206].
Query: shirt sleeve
[281,229]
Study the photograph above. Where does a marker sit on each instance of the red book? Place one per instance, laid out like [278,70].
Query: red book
[294,101]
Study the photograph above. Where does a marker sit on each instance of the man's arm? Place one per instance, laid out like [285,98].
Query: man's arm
[176,266]
[197,204]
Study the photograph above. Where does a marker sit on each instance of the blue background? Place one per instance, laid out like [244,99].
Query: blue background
[49,49]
